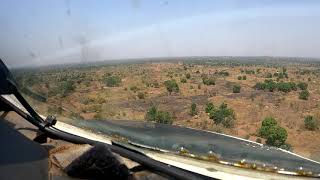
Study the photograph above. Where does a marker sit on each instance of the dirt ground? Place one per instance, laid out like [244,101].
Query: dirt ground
[251,106]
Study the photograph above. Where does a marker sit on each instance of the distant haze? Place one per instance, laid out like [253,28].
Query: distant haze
[53,32]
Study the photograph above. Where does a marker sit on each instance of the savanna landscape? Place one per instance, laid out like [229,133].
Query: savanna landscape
[274,101]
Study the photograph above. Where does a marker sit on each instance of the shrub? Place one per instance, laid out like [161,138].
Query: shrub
[208,81]
[270,85]
[171,86]
[304,95]
[193,110]
[267,123]
[239,77]
[302,85]
[236,89]
[188,76]
[275,135]
[310,123]
[140,95]
[223,115]
[183,80]
[158,116]
[209,107]
[151,114]
[112,81]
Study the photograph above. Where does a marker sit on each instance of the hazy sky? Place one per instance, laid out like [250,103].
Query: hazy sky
[50,32]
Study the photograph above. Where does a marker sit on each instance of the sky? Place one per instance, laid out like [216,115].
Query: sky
[40,32]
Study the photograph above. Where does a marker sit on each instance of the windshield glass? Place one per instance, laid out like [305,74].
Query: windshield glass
[247,69]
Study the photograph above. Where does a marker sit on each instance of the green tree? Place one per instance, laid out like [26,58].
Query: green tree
[267,123]
[236,89]
[223,115]
[310,123]
[193,110]
[304,95]
[171,86]
[277,136]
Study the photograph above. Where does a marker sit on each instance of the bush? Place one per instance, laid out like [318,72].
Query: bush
[151,114]
[258,140]
[65,88]
[236,89]
[209,107]
[222,115]
[112,81]
[239,77]
[310,123]
[265,127]
[304,95]
[208,81]
[140,95]
[158,116]
[183,80]
[188,76]
[193,110]
[164,117]
[171,86]
[270,85]
[275,135]
[302,85]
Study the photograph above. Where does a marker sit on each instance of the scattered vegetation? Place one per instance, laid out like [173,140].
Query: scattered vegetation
[304,95]
[112,81]
[311,123]
[153,114]
[208,81]
[171,86]
[271,86]
[194,110]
